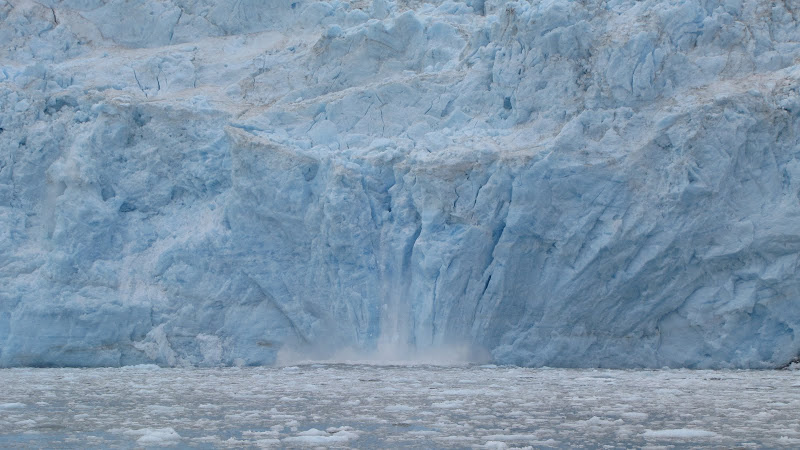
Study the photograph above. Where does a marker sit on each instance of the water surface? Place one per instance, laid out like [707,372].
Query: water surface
[365,406]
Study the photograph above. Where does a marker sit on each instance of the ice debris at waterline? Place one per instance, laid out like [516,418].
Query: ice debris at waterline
[344,406]
[596,183]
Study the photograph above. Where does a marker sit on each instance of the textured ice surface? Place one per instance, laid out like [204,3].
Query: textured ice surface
[596,183]
[345,406]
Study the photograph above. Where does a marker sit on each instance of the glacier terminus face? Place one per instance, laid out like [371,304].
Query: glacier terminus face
[604,183]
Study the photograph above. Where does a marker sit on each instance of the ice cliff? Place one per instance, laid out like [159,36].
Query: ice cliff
[606,183]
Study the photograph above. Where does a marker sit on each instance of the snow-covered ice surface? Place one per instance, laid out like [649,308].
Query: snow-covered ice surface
[548,182]
[398,406]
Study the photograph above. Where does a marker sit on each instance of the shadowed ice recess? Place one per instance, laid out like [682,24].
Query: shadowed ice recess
[574,184]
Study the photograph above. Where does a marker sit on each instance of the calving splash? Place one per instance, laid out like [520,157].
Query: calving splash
[387,354]
[394,346]
[540,183]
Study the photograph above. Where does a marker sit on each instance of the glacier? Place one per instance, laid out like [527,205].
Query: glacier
[597,183]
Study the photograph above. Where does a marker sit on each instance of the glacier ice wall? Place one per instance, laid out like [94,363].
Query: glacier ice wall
[598,183]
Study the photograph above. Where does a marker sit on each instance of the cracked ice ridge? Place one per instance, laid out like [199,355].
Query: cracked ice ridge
[599,183]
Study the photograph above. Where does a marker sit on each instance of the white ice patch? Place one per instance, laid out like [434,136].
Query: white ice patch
[314,436]
[140,367]
[399,408]
[634,416]
[511,437]
[166,410]
[12,405]
[678,433]
[155,436]
[455,438]
[313,432]
[448,404]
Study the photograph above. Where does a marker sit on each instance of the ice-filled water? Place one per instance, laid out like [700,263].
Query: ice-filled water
[368,406]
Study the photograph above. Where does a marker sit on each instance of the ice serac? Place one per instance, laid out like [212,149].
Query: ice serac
[596,183]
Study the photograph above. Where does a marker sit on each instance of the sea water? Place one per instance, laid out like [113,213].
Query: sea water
[379,406]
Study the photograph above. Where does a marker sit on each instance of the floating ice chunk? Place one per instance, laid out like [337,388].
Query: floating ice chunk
[313,432]
[399,408]
[166,410]
[11,405]
[637,416]
[450,404]
[142,367]
[318,437]
[678,433]
[155,436]
[497,445]
[455,438]
[511,437]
